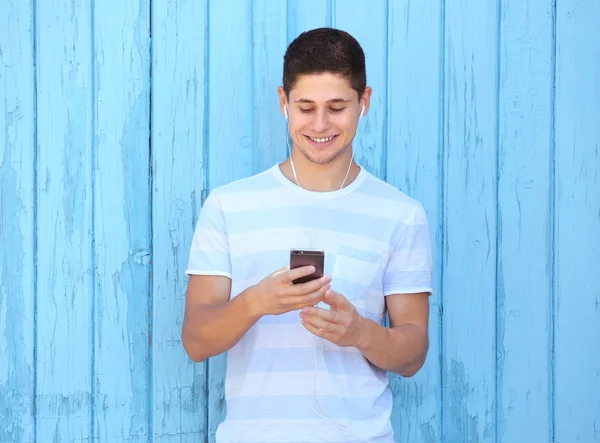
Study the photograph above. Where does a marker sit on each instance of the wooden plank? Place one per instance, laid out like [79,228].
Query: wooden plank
[122,222]
[413,106]
[371,32]
[303,15]
[469,273]
[230,133]
[269,36]
[230,83]
[17,221]
[178,101]
[577,224]
[65,212]
[523,275]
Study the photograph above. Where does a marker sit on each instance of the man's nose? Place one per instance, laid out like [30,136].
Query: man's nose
[320,121]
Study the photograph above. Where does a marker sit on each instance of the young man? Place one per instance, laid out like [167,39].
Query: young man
[306,362]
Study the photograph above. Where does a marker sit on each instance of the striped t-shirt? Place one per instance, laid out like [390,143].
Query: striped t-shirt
[376,242]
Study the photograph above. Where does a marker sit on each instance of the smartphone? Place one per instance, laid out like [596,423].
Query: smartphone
[307,257]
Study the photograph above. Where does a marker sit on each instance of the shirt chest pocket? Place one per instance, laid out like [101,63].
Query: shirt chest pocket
[355,274]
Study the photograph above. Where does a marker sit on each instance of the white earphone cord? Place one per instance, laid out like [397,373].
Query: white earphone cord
[324,414]
[287,139]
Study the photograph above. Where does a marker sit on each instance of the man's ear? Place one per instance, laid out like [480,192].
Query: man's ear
[365,99]
[283,100]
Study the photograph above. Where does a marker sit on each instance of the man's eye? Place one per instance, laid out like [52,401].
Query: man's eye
[305,111]
[337,109]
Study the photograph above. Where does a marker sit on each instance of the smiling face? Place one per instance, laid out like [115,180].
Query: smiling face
[323,111]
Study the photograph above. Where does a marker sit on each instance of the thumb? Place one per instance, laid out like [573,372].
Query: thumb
[335,300]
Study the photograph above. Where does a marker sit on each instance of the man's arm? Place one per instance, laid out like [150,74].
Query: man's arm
[213,323]
[402,348]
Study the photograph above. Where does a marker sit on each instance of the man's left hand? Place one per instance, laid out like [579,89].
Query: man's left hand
[341,325]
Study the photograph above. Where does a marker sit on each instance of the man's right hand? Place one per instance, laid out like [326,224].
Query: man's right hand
[213,322]
[276,294]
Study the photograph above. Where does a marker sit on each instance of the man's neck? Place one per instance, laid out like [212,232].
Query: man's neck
[320,178]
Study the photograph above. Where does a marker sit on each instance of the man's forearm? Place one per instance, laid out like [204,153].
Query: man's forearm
[401,349]
[211,330]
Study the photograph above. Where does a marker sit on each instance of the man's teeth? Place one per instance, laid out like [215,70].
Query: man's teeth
[322,140]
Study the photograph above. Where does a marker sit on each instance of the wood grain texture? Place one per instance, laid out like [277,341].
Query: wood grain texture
[469,274]
[577,226]
[524,277]
[414,104]
[65,205]
[269,37]
[230,87]
[17,221]
[230,133]
[178,103]
[371,32]
[122,222]
[303,15]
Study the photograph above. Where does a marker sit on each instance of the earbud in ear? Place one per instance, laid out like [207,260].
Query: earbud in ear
[362,111]
[285,112]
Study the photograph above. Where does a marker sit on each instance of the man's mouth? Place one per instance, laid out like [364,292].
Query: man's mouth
[322,140]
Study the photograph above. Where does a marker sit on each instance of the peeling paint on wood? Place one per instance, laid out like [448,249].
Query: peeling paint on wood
[64,74]
[576,233]
[178,148]
[17,221]
[523,277]
[122,211]
[469,263]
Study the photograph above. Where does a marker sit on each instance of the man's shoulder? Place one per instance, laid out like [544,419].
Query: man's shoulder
[247,193]
[384,193]
[257,182]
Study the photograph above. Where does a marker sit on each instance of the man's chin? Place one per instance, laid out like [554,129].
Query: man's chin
[321,158]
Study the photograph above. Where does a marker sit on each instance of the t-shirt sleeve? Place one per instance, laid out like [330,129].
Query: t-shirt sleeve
[409,267]
[209,251]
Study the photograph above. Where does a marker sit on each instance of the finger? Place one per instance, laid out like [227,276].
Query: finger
[318,331]
[281,271]
[336,300]
[325,314]
[311,299]
[295,273]
[311,286]
[322,324]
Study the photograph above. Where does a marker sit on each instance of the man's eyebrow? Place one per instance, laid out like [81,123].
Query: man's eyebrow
[333,100]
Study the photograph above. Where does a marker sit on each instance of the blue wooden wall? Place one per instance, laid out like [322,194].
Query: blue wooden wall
[118,117]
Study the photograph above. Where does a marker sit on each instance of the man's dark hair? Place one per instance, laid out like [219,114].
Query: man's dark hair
[325,50]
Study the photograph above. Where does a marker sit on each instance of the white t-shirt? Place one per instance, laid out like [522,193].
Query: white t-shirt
[376,242]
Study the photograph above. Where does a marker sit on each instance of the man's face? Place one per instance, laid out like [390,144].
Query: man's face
[323,114]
